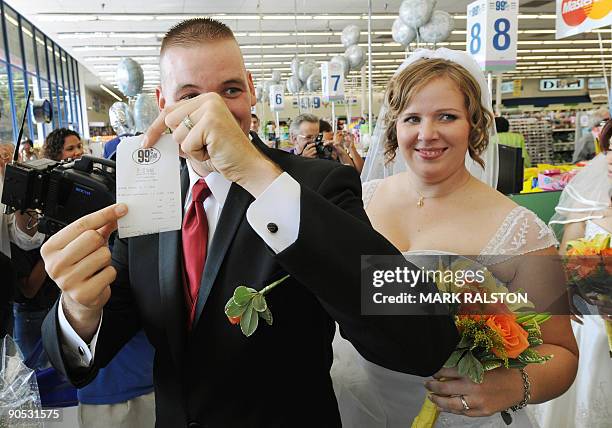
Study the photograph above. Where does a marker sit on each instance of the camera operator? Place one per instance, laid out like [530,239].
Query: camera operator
[303,133]
[15,228]
[36,293]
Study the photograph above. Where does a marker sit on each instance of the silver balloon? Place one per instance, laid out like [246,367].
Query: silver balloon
[121,119]
[439,27]
[130,77]
[306,70]
[402,33]
[294,84]
[295,66]
[350,35]
[314,81]
[276,76]
[344,63]
[356,57]
[415,13]
[145,112]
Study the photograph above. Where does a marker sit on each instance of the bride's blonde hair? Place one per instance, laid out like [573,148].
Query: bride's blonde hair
[413,78]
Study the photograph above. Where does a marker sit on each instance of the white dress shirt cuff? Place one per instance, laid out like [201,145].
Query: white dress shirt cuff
[77,353]
[22,239]
[275,214]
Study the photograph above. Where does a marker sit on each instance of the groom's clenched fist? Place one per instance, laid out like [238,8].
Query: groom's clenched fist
[209,134]
[78,259]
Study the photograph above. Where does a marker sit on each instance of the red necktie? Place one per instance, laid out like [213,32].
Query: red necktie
[195,241]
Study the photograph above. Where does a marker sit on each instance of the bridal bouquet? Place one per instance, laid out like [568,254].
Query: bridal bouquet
[588,265]
[492,335]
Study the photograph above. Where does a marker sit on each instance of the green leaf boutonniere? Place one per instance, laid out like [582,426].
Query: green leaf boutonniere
[247,305]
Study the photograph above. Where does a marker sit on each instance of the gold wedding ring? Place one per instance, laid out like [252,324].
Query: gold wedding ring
[465,404]
[188,122]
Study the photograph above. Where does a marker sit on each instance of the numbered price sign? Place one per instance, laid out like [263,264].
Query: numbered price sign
[277,97]
[332,81]
[492,33]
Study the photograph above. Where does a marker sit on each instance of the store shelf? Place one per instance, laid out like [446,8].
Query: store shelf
[563,130]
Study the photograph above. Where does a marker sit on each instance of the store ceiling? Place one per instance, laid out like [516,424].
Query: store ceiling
[98,34]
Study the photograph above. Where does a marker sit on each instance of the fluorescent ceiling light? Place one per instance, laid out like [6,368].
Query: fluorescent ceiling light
[104,88]
[125,17]
[330,17]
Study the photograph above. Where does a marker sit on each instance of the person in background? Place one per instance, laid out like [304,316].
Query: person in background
[303,132]
[27,151]
[18,233]
[511,139]
[254,123]
[343,145]
[63,143]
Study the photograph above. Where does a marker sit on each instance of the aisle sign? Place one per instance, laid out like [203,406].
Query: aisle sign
[332,81]
[492,33]
[580,16]
[561,84]
[277,97]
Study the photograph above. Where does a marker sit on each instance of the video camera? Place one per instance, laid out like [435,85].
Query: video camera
[61,191]
[323,151]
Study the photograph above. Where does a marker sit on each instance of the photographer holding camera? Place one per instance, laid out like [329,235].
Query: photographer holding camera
[303,132]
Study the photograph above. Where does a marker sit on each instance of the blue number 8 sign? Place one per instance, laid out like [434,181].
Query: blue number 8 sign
[475,43]
[501,39]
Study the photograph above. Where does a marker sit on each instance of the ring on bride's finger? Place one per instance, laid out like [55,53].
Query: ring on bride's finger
[188,122]
[464,403]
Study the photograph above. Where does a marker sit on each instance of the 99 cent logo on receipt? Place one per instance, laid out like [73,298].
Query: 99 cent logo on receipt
[146,156]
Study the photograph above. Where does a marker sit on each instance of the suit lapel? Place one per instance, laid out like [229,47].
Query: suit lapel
[233,213]
[171,283]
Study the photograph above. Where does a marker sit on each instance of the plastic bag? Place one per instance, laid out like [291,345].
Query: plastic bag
[18,386]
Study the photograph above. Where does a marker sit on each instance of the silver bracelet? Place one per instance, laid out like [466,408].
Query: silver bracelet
[526,392]
[505,414]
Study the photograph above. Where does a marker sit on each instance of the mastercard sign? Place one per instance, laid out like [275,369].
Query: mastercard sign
[579,16]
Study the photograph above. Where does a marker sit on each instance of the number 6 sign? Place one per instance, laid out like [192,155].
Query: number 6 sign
[492,33]
[277,98]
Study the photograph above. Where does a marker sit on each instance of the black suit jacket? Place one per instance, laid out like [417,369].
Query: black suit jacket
[214,376]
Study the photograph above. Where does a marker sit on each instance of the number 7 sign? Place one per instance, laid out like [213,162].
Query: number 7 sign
[332,81]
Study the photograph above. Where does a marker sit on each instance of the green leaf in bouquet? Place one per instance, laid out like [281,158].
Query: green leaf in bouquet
[514,363]
[531,356]
[469,366]
[466,342]
[454,358]
[491,364]
[243,295]
[259,303]
[233,309]
[534,340]
[266,315]
[526,317]
[249,320]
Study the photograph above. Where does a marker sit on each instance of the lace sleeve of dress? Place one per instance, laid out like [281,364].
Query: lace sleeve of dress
[520,233]
[367,190]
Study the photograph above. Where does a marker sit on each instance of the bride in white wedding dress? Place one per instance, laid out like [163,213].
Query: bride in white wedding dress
[436,115]
[585,210]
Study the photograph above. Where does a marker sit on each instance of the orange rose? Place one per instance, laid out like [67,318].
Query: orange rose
[514,337]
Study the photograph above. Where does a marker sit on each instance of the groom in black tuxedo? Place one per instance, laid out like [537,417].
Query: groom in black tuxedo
[262,214]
